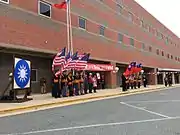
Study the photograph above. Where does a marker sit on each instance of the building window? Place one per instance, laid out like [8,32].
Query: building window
[120,37]
[168,56]
[130,16]
[132,41]
[5,1]
[120,8]
[143,46]
[157,51]
[167,40]
[171,57]
[176,58]
[162,53]
[44,9]
[82,23]
[102,29]
[141,23]
[34,75]
[150,49]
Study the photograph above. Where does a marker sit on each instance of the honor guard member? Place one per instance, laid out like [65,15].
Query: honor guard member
[127,83]
[64,84]
[55,86]
[139,81]
[76,84]
[70,84]
[131,79]
[135,81]
[81,84]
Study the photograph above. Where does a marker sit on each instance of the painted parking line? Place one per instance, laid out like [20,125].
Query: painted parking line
[153,101]
[94,126]
[143,109]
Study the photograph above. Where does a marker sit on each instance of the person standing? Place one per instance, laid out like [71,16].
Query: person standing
[103,82]
[139,81]
[90,81]
[94,83]
[64,84]
[81,85]
[55,89]
[135,81]
[70,84]
[124,88]
[43,85]
[76,84]
[145,81]
[166,81]
[85,78]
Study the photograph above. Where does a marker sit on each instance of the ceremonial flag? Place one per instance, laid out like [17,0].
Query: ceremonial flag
[138,68]
[71,62]
[59,59]
[82,62]
[62,5]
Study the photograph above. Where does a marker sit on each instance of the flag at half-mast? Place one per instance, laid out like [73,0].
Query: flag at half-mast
[62,5]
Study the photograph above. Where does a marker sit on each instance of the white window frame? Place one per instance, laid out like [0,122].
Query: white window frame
[102,26]
[4,1]
[36,76]
[40,1]
[79,22]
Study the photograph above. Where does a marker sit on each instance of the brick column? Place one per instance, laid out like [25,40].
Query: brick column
[111,78]
[163,74]
[152,78]
[173,78]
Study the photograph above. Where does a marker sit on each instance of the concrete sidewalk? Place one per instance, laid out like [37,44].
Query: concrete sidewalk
[45,101]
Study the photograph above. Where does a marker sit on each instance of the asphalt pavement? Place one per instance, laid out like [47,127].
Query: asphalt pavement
[156,113]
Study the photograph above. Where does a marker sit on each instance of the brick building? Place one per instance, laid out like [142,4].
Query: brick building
[113,31]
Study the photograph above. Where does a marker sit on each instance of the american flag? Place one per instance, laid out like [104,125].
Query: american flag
[71,62]
[82,61]
[59,59]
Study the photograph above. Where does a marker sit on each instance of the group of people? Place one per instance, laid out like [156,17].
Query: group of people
[168,80]
[133,81]
[75,83]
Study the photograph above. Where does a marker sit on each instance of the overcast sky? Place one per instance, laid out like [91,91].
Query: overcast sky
[166,11]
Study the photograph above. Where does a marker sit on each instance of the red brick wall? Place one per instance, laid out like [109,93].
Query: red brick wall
[18,33]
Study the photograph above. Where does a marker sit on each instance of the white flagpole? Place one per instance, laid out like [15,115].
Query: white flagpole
[70,27]
[68,31]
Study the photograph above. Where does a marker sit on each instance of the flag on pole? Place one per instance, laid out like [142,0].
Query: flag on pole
[71,62]
[82,62]
[62,5]
[59,59]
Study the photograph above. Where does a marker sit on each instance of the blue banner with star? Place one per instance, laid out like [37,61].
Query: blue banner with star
[22,73]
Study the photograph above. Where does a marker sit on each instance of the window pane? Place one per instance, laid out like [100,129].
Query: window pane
[143,46]
[33,75]
[120,8]
[4,1]
[102,28]
[45,9]
[82,23]
[120,37]
[130,17]
[131,41]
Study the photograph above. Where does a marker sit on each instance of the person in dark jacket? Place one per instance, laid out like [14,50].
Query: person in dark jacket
[123,82]
[70,84]
[145,81]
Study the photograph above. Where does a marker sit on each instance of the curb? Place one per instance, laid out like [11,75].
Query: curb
[25,108]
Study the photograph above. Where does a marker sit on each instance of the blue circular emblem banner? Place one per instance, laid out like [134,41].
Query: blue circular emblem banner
[22,73]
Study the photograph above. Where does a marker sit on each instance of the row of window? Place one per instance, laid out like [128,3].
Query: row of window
[5,1]
[143,24]
[45,10]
